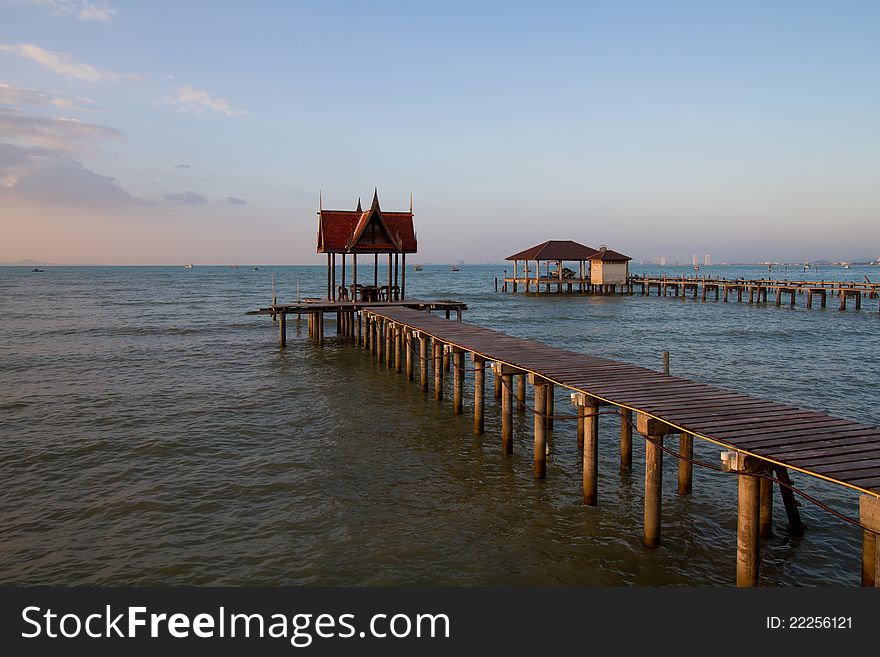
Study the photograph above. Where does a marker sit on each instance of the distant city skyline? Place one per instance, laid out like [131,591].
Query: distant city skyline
[166,133]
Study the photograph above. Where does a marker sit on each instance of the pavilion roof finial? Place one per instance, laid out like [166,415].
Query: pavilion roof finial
[410,202]
[359,205]
[375,204]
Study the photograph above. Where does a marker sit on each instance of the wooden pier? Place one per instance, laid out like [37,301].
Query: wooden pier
[753,291]
[763,440]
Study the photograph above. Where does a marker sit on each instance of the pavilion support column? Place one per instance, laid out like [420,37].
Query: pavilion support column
[403,276]
[540,458]
[343,273]
[398,344]
[521,392]
[354,275]
[282,330]
[423,362]
[479,392]
[654,431]
[588,409]
[396,279]
[390,278]
[626,439]
[438,370]
[333,277]
[869,516]
[505,373]
[748,526]
[685,466]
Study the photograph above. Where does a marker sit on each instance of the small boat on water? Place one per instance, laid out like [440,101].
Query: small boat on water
[233,266]
[188,266]
[417,267]
[37,270]
[256,269]
[455,268]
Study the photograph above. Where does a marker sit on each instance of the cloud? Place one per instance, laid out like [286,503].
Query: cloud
[46,176]
[81,9]
[71,135]
[12,95]
[185,198]
[196,101]
[63,64]
[182,166]
[234,200]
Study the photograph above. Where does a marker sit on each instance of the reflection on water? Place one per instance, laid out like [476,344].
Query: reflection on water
[153,434]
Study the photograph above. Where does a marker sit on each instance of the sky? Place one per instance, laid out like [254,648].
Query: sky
[175,132]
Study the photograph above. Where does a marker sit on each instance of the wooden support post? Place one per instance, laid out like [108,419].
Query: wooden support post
[446,360]
[551,406]
[521,393]
[408,352]
[368,333]
[748,534]
[389,344]
[795,524]
[438,370]
[479,392]
[497,386]
[588,409]
[766,514]
[457,379]
[320,328]
[423,362]
[282,329]
[540,458]
[398,344]
[505,374]
[626,439]
[869,516]
[685,467]
[380,339]
[654,430]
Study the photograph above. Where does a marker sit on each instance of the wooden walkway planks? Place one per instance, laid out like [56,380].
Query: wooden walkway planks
[834,449]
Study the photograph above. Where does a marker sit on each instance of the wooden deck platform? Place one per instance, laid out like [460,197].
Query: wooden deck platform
[835,449]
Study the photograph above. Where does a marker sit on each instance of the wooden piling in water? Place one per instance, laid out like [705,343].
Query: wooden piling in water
[685,466]
[389,344]
[505,374]
[521,393]
[282,330]
[479,392]
[766,508]
[457,379]
[497,386]
[551,406]
[654,430]
[540,456]
[869,517]
[748,544]
[626,445]
[588,409]
[398,343]
[408,353]
[795,524]
[423,362]
[438,369]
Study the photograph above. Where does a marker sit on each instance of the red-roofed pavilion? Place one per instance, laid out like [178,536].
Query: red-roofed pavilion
[598,270]
[363,232]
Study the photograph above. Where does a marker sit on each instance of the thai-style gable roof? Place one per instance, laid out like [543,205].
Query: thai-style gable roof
[370,231]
